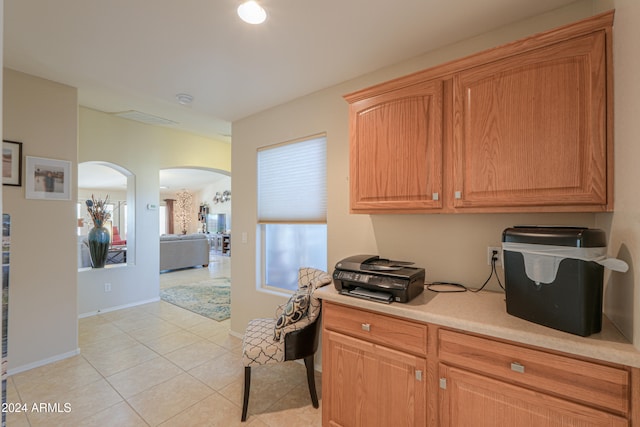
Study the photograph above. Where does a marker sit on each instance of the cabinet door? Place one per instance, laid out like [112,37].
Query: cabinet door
[478,401]
[369,385]
[531,130]
[396,150]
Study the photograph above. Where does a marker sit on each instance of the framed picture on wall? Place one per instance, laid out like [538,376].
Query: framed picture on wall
[48,179]
[12,163]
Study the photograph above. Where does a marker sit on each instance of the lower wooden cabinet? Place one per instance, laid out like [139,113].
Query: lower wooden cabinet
[468,399]
[588,383]
[381,370]
[370,385]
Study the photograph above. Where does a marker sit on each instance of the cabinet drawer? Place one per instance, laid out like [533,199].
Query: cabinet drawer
[586,382]
[389,331]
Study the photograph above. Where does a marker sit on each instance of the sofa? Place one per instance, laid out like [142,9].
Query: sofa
[183,250]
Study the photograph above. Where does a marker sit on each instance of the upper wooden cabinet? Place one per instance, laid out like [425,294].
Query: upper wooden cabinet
[526,127]
[531,129]
[396,149]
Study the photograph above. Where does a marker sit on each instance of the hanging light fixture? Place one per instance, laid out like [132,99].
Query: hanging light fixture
[251,12]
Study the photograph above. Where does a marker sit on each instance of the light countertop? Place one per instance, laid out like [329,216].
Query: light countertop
[485,313]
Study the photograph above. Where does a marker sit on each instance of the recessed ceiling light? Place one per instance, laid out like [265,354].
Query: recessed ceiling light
[184,98]
[251,12]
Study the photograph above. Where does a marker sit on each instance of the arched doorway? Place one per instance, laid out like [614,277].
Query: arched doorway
[107,181]
[203,290]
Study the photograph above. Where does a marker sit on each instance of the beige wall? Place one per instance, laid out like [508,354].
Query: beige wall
[450,247]
[43,326]
[142,150]
[622,291]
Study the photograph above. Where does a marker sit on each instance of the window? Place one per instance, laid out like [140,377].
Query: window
[292,211]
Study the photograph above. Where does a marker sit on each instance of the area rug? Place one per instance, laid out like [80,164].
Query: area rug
[210,298]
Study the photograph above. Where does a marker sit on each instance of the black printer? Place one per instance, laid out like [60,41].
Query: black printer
[373,278]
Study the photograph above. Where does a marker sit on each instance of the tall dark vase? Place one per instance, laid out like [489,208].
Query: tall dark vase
[98,240]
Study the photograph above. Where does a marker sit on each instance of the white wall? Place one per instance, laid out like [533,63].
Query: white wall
[450,247]
[43,326]
[143,150]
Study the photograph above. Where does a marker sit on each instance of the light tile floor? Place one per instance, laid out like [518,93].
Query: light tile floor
[159,365]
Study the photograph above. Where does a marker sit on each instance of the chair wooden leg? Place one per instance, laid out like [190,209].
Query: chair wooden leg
[247,386]
[311,379]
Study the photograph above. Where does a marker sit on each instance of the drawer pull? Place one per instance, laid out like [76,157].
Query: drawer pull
[366,327]
[516,367]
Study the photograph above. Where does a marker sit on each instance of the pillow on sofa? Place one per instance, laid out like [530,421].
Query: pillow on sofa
[295,310]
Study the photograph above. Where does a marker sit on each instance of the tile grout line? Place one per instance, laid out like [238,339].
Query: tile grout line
[126,400]
[115,390]
[182,370]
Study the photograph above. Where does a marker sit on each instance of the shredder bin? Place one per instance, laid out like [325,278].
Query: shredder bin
[550,278]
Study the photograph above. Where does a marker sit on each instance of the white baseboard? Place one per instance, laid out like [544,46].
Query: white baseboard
[235,334]
[43,362]
[118,307]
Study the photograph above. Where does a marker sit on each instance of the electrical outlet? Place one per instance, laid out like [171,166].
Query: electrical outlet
[107,287]
[490,251]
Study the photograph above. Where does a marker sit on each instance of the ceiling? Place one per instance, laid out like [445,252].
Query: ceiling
[137,55]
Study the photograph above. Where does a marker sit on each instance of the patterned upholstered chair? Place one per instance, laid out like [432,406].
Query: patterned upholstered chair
[292,334]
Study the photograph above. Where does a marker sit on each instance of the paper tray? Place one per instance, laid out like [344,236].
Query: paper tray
[382,297]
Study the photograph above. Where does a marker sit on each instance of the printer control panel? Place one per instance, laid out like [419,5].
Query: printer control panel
[370,279]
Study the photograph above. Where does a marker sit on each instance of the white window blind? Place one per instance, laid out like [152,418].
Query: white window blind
[292,182]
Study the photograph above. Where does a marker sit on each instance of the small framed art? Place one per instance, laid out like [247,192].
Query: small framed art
[12,163]
[48,179]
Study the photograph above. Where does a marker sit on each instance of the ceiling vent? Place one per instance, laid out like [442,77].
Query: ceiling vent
[144,118]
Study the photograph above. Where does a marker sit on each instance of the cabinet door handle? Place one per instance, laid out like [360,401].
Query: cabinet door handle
[516,367]
[419,375]
[457,195]
[366,327]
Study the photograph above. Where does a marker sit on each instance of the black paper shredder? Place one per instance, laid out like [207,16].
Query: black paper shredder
[569,297]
